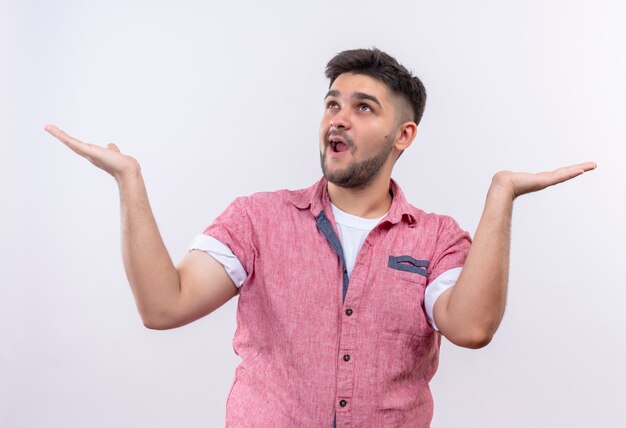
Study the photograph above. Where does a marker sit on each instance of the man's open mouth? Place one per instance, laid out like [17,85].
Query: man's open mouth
[338,145]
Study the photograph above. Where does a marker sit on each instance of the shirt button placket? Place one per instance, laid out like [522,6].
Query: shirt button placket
[345,379]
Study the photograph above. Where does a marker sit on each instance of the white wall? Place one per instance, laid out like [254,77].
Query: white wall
[222,99]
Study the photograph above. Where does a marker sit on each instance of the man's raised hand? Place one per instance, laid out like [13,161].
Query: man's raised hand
[109,159]
[519,183]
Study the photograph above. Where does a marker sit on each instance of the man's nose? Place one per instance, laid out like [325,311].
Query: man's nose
[341,120]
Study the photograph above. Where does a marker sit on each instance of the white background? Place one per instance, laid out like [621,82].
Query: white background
[221,99]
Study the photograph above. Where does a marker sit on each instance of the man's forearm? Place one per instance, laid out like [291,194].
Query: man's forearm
[152,276]
[476,303]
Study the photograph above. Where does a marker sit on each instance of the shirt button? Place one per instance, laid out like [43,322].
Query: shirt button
[343,403]
[348,312]
[346,357]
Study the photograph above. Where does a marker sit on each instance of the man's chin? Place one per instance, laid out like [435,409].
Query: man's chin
[344,180]
[346,177]
[331,172]
[335,175]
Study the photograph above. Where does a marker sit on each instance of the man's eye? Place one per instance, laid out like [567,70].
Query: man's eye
[332,105]
[364,107]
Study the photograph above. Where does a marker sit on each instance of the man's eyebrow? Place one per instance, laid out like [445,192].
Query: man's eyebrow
[364,96]
[357,95]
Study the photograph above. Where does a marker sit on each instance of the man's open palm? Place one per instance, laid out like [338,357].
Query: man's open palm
[109,159]
[520,183]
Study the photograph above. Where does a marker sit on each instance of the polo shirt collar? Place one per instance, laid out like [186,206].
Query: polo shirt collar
[317,200]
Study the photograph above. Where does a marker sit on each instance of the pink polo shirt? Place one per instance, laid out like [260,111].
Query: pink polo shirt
[318,348]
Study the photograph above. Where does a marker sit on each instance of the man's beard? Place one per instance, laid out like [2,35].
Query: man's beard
[358,175]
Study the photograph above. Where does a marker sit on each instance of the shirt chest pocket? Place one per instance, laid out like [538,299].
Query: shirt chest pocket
[402,286]
[409,264]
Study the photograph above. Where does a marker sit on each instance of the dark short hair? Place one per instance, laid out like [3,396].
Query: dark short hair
[381,66]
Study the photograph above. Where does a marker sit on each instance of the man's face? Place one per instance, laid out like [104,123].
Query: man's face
[357,131]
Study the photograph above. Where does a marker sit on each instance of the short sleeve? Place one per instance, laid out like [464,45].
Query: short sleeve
[234,228]
[223,255]
[451,248]
[435,289]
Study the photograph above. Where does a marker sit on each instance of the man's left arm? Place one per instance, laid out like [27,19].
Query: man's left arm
[469,313]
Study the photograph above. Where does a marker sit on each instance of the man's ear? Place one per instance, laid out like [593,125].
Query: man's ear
[405,135]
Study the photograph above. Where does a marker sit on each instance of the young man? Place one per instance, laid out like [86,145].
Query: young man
[344,288]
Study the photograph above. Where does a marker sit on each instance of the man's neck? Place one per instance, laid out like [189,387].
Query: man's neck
[370,202]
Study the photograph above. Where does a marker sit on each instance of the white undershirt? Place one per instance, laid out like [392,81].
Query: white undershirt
[352,232]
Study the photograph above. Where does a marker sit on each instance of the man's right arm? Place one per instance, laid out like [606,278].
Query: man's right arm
[166,296]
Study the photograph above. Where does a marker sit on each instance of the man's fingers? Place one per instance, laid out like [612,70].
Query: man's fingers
[71,142]
[568,172]
[88,151]
[578,168]
[587,166]
[60,135]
